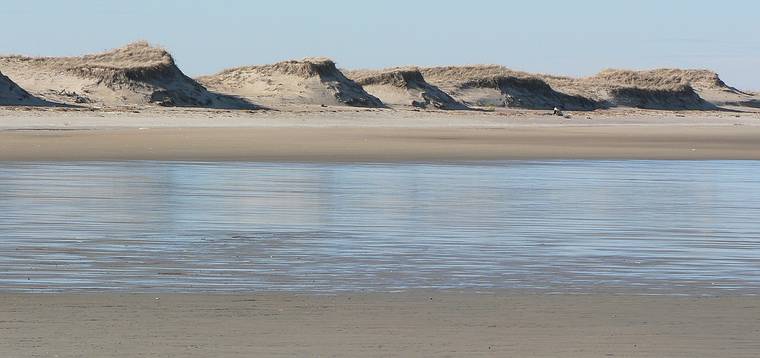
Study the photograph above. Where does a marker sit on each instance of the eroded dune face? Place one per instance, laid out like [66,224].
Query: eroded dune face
[13,95]
[404,87]
[311,81]
[137,74]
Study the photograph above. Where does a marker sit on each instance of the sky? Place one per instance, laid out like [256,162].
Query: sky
[576,38]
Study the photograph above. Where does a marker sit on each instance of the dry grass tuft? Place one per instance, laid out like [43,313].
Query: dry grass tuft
[305,68]
[462,74]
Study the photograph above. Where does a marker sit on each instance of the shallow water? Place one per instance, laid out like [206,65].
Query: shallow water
[560,226]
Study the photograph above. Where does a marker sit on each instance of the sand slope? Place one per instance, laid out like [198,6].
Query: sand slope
[311,81]
[404,87]
[491,85]
[137,74]
[13,95]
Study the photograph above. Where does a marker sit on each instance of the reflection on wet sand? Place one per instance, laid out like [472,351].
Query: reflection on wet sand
[650,226]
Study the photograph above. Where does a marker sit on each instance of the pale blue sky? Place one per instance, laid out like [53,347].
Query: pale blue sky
[563,37]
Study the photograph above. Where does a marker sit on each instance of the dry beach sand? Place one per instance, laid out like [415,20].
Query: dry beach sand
[374,135]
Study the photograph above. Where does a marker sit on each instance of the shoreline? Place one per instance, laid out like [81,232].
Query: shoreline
[419,323]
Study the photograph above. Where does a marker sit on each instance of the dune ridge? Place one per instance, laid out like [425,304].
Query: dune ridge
[705,83]
[672,89]
[404,86]
[498,86]
[314,80]
[140,74]
[136,74]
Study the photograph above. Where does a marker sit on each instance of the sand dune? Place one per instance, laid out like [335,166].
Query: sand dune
[706,84]
[137,74]
[663,89]
[617,89]
[13,95]
[311,81]
[404,87]
[671,89]
[669,98]
[140,74]
[497,86]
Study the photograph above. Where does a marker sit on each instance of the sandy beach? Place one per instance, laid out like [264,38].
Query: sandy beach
[414,323]
[300,179]
[435,324]
[374,135]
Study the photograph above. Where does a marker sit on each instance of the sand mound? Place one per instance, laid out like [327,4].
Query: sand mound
[308,81]
[136,74]
[673,83]
[668,89]
[633,89]
[492,85]
[404,87]
[667,98]
[663,78]
[13,95]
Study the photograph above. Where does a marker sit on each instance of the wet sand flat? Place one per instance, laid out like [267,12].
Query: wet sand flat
[402,324]
[627,226]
